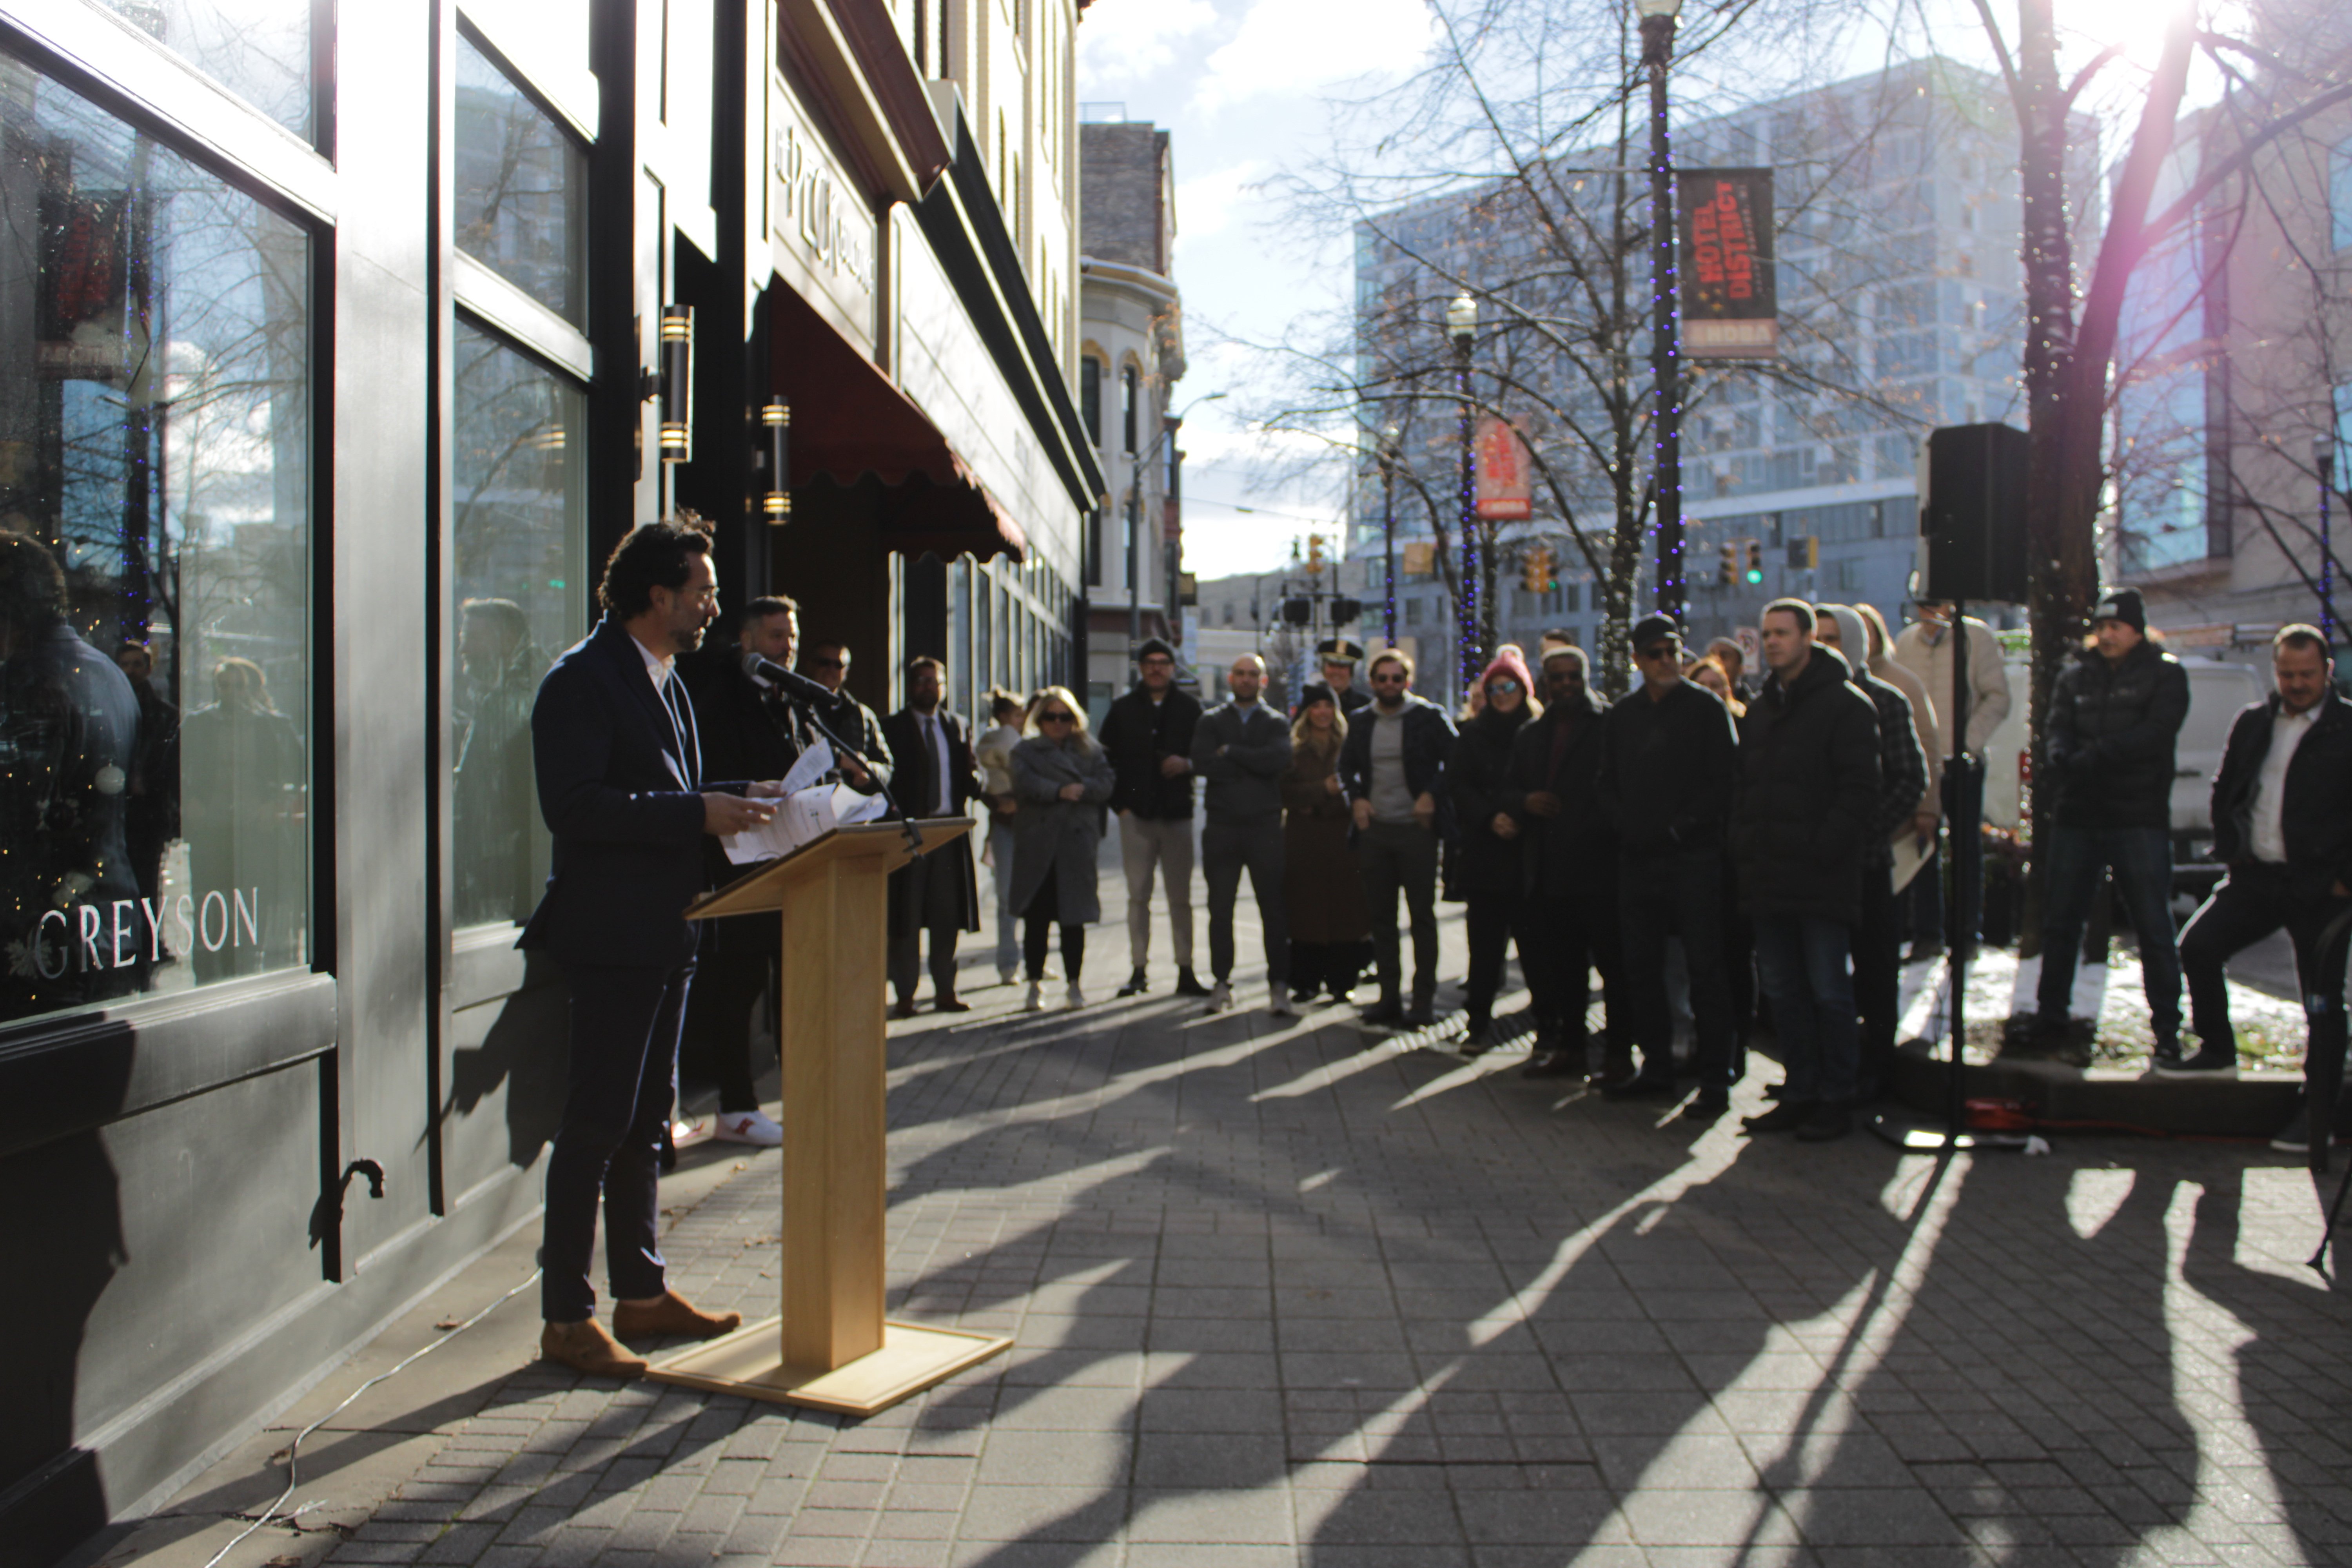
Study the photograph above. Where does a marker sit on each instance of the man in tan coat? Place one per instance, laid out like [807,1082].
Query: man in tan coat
[1925,649]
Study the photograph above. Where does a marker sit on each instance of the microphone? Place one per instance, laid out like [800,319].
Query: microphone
[795,685]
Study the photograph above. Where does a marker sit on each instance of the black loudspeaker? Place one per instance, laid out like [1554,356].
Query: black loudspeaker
[1972,515]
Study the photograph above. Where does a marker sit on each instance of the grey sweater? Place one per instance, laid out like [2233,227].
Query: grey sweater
[1241,754]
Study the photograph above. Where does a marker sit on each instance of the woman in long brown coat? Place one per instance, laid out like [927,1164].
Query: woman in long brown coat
[1330,928]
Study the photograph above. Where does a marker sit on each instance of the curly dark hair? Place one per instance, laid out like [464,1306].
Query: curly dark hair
[651,555]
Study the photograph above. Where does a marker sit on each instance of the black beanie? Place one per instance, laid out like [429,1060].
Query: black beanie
[2122,605]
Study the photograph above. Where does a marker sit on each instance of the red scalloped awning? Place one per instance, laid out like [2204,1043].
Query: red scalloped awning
[850,419]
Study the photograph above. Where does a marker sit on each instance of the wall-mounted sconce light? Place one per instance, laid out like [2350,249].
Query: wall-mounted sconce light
[776,505]
[677,383]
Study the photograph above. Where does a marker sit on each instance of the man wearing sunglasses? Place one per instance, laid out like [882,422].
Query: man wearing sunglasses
[1393,763]
[1669,759]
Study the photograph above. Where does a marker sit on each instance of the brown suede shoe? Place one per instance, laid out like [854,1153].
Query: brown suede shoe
[673,1317]
[586,1347]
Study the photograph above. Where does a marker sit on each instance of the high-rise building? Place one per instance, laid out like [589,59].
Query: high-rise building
[1901,307]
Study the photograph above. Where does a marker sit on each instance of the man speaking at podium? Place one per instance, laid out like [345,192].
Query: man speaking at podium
[619,769]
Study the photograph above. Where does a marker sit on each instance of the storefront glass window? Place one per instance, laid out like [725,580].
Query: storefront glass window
[155,560]
[521,189]
[258,49]
[519,461]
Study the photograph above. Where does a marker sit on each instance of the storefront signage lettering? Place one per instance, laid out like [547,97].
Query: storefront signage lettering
[814,206]
[125,933]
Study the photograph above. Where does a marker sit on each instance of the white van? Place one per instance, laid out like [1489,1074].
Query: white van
[2217,692]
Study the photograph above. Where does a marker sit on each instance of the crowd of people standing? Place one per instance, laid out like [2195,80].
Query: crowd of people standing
[1758,845]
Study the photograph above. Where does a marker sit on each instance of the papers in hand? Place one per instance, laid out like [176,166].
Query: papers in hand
[802,817]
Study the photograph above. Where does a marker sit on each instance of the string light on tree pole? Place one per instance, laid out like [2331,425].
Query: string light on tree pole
[1657,53]
[1461,326]
[1390,453]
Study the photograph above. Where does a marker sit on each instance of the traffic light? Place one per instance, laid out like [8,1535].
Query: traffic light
[1805,554]
[1314,553]
[1346,612]
[1727,568]
[1535,569]
[1299,611]
[1754,562]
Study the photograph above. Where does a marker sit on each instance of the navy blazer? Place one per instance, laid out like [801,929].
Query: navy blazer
[621,788]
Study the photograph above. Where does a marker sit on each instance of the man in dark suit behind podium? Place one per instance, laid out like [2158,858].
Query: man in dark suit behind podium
[619,768]
[939,892]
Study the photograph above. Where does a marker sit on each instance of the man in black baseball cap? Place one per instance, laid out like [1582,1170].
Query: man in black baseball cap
[1666,769]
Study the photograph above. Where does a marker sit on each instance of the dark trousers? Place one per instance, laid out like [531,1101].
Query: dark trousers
[2250,903]
[1877,980]
[1037,921]
[1329,966]
[1806,963]
[1229,846]
[1561,942]
[1401,857]
[2141,859]
[623,1075]
[936,890]
[727,991]
[1492,919]
[1666,895]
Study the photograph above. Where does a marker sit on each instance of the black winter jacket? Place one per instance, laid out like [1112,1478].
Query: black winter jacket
[1138,734]
[1574,854]
[2316,814]
[1428,750]
[1480,781]
[1902,768]
[1667,768]
[2112,729]
[1808,794]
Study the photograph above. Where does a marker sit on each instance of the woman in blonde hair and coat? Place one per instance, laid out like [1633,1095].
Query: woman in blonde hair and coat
[1330,925]
[1063,780]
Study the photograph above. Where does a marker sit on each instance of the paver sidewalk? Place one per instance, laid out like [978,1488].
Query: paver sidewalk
[1289,1293]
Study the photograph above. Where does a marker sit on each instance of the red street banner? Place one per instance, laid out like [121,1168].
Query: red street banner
[1725,229]
[1502,472]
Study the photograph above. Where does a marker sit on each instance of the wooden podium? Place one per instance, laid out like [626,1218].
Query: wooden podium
[831,1347]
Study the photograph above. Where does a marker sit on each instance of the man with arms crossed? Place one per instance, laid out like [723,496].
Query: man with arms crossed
[1241,747]
[1393,765]
[619,772]
[1149,734]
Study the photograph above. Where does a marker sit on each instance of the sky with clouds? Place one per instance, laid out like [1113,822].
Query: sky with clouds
[1244,87]
[1240,85]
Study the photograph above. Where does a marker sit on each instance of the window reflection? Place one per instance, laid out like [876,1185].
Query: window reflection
[520,531]
[521,188]
[155,561]
[258,49]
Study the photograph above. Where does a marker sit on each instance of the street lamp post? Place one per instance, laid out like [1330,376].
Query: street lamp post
[1657,51]
[1461,326]
[2323,458]
[1389,454]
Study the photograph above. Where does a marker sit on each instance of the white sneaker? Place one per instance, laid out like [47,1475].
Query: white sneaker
[1078,996]
[1279,1001]
[1036,1003]
[1221,997]
[1007,976]
[753,1127]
